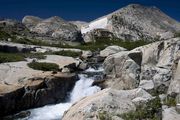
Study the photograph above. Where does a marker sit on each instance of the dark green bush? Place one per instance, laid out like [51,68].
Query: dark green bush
[4,35]
[99,44]
[150,111]
[9,57]
[68,53]
[103,115]
[29,41]
[170,101]
[103,42]
[177,34]
[14,57]
[44,66]
[34,55]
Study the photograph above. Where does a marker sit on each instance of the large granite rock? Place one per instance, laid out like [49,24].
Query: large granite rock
[135,22]
[22,88]
[31,21]
[108,102]
[158,61]
[122,71]
[87,54]
[152,67]
[170,114]
[93,35]
[54,27]
[35,92]
[175,82]
[111,50]
[15,72]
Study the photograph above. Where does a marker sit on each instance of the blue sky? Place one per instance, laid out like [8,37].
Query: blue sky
[85,10]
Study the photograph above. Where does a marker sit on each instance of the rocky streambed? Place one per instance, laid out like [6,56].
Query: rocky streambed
[83,87]
[142,83]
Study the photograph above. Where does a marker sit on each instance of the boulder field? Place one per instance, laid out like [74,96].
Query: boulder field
[143,79]
[22,88]
[142,83]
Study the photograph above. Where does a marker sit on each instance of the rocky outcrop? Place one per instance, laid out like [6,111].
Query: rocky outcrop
[170,114]
[153,66]
[17,72]
[31,21]
[122,71]
[175,82]
[108,103]
[22,88]
[111,50]
[135,22]
[87,54]
[12,27]
[92,35]
[54,27]
[35,92]
[158,61]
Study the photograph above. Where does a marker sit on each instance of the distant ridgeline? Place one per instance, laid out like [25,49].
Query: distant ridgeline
[129,24]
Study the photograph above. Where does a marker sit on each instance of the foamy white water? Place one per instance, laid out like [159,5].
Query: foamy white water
[82,88]
[100,69]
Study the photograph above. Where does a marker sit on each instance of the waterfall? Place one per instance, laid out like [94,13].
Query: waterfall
[82,88]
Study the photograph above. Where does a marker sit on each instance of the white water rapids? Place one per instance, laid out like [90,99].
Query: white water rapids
[82,88]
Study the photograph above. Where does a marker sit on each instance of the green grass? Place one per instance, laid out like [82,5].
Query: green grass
[169,101]
[4,35]
[27,41]
[67,53]
[44,66]
[15,57]
[103,115]
[102,43]
[148,111]
[99,44]
[177,34]
[10,57]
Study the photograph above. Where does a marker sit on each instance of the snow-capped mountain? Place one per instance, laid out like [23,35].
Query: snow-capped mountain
[135,22]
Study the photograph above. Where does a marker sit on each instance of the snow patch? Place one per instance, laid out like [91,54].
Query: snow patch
[101,23]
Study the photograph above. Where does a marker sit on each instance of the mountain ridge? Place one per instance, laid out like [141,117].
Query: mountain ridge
[136,22]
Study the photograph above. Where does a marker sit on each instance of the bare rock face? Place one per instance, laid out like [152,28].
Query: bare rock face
[135,22]
[31,21]
[87,54]
[158,61]
[12,27]
[108,102]
[22,88]
[35,92]
[111,50]
[170,114]
[175,83]
[54,27]
[153,66]
[123,72]
[95,33]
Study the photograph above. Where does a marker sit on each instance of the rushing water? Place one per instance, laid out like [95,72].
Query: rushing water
[82,88]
